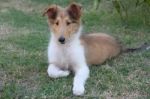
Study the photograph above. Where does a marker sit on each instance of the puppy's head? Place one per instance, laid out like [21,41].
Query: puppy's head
[64,22]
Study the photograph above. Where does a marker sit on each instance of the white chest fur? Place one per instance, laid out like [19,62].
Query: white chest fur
[65,55]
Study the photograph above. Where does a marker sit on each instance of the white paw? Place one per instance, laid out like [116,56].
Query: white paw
[65,73]
[55,72]
[51,74]
[78,90]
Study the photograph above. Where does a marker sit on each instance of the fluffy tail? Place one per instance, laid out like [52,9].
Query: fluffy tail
[144,46]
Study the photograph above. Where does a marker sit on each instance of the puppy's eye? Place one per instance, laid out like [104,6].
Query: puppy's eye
[57,23]
[68,23]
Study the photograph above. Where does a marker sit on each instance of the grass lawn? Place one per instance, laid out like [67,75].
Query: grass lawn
[24,37]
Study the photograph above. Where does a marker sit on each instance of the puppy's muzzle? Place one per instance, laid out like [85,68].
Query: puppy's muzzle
[61,40]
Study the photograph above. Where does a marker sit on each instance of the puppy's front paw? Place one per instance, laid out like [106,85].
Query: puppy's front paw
[55,72]
[78,90]
[65,73]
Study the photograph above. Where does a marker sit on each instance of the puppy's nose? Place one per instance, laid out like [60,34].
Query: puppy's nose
[61,40]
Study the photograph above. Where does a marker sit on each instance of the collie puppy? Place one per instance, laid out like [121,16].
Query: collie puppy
[69,50]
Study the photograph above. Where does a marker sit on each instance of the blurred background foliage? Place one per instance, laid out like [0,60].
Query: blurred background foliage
[130,13]
[127,9]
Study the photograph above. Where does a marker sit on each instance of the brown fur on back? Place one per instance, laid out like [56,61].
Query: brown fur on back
[99,47]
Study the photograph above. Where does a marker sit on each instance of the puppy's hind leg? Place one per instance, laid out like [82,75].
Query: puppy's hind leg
[54,72]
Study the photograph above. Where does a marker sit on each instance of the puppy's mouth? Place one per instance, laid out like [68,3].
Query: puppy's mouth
[62,42]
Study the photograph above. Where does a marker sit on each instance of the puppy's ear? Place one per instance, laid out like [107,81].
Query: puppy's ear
[51,12]
[74,11]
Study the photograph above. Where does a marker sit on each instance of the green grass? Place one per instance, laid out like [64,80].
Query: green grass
[24,37]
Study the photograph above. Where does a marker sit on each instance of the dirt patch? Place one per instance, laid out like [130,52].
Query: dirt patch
[23,5]
[133,95]
[137,72]
[127,95]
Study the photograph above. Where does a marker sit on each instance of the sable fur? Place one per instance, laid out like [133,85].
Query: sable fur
[99,47]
